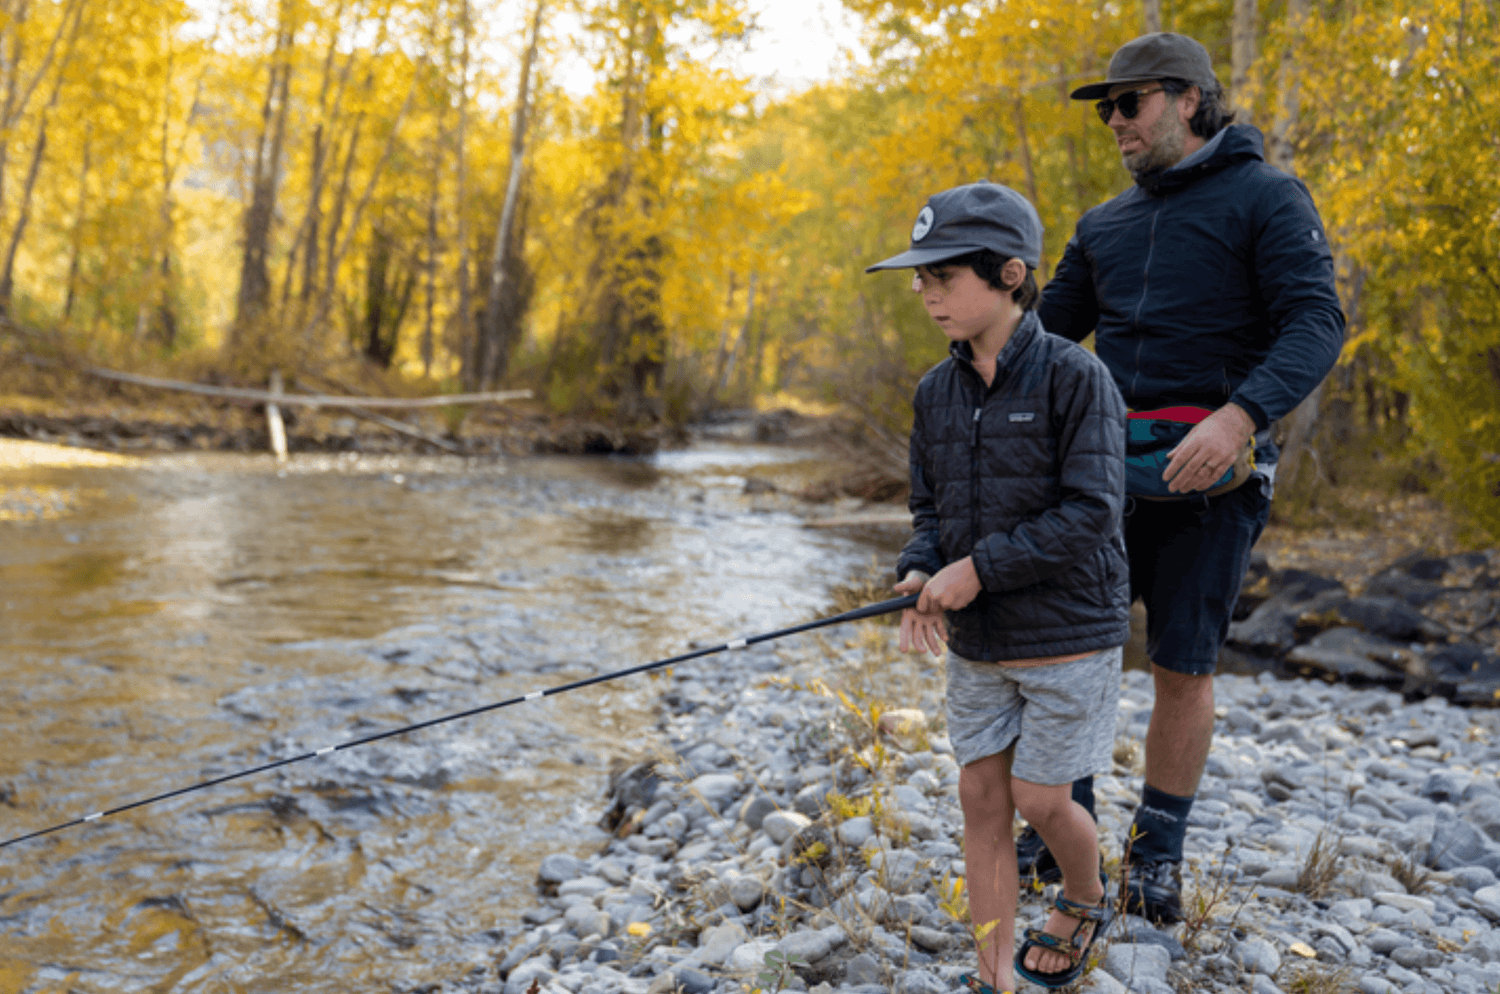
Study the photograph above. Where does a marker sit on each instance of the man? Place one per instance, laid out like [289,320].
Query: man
[1208,283]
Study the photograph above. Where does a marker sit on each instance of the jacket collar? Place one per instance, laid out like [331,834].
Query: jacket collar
[1235,143]
[1020,340]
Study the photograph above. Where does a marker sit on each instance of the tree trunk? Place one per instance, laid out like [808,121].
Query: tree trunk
[1242,47]
[465,317]
[1282,139]
[498,334]
[255,279]
[1024,140]
[82,214]
[1153,16]
[38,155]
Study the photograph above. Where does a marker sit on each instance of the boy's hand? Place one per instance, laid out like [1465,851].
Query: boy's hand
[955,586]
[920,631]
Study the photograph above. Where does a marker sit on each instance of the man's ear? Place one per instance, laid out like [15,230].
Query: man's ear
[1187,103]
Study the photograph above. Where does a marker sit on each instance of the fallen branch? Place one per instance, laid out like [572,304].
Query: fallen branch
[302,400]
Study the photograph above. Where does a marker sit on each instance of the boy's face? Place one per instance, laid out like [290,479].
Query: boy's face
[961,303]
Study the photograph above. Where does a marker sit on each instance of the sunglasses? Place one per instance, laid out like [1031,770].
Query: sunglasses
[1128,104]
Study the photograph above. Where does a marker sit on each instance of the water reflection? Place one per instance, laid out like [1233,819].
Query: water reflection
[206,614]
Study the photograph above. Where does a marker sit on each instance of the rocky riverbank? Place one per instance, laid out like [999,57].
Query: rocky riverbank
[1344,840]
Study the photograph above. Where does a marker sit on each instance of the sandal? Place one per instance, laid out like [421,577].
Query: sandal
[978,986]
[1075,948]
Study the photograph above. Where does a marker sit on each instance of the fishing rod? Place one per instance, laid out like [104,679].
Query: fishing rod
[868,611]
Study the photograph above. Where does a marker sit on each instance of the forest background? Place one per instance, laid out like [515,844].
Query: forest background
[217,191]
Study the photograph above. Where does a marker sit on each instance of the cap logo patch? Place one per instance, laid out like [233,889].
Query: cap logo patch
[923,225]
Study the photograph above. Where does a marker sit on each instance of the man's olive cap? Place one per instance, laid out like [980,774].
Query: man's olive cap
[1163,55]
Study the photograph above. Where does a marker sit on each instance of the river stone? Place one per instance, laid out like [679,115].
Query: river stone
[1485,947]
[1099,982]
[1404,902]
[753,812]
[1417,957]
[856,832]
[1458,843]
[718,789]
[587,886]
[809,944]
[715,944]
[1372,983]
[1258,956]
[782,825]
[584,919]
[1472,878]
[1349,652]
[863,968]
[1488,899]
[1132,962]
[751,956]
[920,982]
[559,867]
[931,940]
[812,799]
[746,892]
[691,981]
[538,969]
[897,866]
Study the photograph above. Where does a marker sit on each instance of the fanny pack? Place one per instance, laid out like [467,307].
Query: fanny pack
[1151,435]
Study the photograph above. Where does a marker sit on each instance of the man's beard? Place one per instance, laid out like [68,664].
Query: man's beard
[1162,154]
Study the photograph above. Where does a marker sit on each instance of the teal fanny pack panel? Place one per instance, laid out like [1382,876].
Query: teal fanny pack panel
[1151,436]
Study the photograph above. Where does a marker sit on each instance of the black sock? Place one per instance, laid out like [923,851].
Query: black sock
[1083,793]
[1160,825]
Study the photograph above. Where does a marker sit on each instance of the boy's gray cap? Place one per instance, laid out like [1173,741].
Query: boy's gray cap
[969,218]
[1162,55]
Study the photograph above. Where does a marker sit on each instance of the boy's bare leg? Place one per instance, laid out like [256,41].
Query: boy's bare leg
[1073,840]
[984,791]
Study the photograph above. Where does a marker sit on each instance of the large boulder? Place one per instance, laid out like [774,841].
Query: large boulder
[1271,629]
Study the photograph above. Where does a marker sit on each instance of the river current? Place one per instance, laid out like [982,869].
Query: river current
[199,614]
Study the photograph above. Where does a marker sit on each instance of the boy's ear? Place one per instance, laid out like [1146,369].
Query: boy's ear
[1013,273]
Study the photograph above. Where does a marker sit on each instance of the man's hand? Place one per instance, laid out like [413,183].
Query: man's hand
[1208,451]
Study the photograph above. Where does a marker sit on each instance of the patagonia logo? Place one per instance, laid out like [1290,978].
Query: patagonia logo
[1021,417]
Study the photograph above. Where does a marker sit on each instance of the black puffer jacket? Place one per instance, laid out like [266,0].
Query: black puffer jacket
[1027,476]
[1214,285]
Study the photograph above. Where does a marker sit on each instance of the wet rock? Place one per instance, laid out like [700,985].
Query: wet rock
[1350,653]
[1388,618]
[1462,671]
[1271,628]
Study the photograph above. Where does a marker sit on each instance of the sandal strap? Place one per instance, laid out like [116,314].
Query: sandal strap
[1100,912]
[1066,947]
[978,986]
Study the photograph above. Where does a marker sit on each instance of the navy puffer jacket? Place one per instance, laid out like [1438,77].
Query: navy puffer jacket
[1026,475]
[1214,285]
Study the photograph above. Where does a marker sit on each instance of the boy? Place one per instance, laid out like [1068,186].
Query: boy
[1017,489]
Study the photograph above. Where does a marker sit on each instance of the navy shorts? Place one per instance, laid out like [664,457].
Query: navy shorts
[1187,562]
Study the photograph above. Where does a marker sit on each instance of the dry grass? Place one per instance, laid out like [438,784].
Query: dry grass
[1410,873]
[1321,867]
[1313,978]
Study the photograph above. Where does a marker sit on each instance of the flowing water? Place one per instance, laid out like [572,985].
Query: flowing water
[197,615]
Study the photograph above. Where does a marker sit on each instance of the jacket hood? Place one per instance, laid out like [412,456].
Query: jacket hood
[1235,143]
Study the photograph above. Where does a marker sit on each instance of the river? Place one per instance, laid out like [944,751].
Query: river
[199,614]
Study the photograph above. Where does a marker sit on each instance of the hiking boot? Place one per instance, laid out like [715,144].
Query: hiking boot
[1153,890]
[1033,859]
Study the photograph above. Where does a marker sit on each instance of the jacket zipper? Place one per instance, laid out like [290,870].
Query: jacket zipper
[975,517]
[1140,341]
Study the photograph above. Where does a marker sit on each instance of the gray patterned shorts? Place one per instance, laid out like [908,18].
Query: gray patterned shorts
[1060,718]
